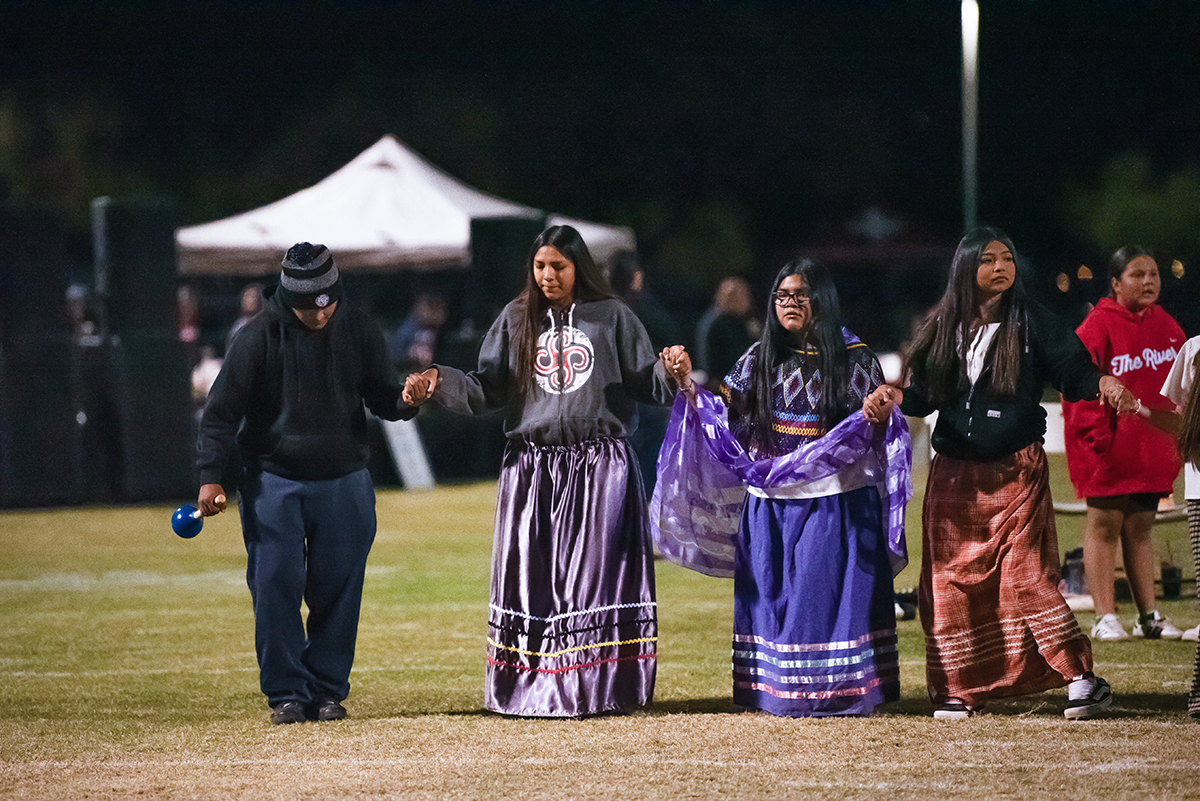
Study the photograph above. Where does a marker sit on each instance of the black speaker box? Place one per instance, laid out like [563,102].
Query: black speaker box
[498,251]
[134,251]
[33,272]
[153,400]
[39,438]
[58,434]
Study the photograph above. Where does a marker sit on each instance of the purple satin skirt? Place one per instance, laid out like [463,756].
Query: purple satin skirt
[572,623]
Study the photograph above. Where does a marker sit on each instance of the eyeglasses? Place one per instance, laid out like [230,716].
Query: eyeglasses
[791,299]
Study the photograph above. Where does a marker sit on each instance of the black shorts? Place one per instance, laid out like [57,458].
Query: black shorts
[1130,504]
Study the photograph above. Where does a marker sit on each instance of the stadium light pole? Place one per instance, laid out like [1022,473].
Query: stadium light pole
[970,103]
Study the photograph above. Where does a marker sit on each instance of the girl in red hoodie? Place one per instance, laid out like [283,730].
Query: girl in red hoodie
[1123,465]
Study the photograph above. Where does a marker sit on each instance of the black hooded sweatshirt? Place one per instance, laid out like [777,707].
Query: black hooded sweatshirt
[289,400]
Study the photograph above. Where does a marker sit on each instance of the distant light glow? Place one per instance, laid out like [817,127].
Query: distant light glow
[1084,273]
[1063,282]
[1177,268]
[970,36]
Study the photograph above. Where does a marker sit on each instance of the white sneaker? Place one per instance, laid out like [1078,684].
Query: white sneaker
[1160,628]
[1109,628]
[1192,634]
[1087,698]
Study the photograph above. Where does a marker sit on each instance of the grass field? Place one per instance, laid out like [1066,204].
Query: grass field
[127,671]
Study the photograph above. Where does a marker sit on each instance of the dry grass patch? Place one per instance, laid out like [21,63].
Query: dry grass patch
[127,667]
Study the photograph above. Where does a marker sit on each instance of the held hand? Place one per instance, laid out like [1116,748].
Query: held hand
[1114,393]
[678,365]
[211,500]
[877,407]
[419,387]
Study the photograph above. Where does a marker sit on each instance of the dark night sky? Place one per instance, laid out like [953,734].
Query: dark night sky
[723,132]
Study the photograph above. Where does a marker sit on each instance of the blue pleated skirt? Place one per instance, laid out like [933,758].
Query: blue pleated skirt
[814,615]
[572,624]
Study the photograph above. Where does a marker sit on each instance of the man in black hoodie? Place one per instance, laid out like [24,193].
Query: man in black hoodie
[285,422]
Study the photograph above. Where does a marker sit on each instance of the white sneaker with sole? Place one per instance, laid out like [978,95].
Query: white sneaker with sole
[1087,698]
[954,710]
[1160,628]
[1109,628]
[1192,634]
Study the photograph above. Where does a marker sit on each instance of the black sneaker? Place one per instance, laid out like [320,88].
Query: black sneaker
[326,708]
[288,712]
[1097,699]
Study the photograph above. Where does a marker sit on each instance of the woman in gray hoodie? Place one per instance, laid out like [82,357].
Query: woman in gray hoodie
[572,623]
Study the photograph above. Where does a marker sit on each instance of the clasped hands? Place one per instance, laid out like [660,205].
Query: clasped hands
[1116,395]
[678,365]
[877,407]
[419,387]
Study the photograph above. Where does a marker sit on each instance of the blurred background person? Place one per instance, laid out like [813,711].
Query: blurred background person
[413,344]
[629,282]
[1124,464]
[725,330]
[82,317]
[188,303]
[250,304]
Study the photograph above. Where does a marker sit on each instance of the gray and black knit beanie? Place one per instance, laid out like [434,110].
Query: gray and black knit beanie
[309,279]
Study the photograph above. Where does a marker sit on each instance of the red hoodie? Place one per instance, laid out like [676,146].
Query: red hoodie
[1109,454]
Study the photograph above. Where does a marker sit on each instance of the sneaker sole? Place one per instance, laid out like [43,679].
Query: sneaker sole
[952,714]
[1089,711]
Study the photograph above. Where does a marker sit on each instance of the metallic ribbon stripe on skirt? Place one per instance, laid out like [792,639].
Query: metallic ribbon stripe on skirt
[572,623]
[814,620]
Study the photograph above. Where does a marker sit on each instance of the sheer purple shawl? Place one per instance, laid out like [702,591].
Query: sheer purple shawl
[703,472]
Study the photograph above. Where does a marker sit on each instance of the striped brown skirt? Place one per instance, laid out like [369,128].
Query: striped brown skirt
[995,623]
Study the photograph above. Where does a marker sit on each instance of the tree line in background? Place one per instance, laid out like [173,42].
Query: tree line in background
[727,136]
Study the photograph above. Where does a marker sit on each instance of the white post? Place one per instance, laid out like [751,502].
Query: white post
[970,102]
[408,453]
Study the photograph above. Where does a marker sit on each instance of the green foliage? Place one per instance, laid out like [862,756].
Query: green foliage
[1131,203]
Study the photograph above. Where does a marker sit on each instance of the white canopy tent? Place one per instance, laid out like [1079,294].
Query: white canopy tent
[388,209]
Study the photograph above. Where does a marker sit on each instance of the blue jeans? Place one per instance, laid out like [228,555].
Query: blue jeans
[306,540]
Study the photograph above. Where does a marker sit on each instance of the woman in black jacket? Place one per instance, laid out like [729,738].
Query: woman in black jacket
[995,623]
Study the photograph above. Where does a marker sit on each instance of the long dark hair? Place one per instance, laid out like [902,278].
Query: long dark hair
[590,284]
[945,335]
[1188,437]
[824,334]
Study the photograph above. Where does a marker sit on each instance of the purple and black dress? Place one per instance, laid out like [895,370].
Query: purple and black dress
[812,536]
[572,623]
